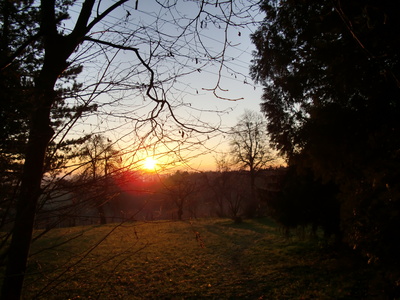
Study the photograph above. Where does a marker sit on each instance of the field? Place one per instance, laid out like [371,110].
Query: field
[202,259]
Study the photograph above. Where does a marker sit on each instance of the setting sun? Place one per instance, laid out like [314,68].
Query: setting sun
[150,163]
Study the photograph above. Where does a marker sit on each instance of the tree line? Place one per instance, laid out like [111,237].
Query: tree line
[140,196]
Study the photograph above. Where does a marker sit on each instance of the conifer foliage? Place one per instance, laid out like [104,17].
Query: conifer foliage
[331,77]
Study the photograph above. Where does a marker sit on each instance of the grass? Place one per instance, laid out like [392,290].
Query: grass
[212,259]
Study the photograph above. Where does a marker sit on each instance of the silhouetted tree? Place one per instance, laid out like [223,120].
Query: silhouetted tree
[237,196]
[180,187]
[56,48]
[330,71]
[101,163]
[304,201]
[218,183]
[16,105]
[250,150]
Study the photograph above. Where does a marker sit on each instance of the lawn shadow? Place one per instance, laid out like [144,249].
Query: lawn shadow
[262,225]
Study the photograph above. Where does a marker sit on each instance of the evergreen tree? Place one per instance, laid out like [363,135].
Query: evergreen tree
[330,71]
[32,109]
[19,20]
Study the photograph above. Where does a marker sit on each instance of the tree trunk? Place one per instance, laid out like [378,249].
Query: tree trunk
[102,216]
[180,213]
[57,50]
[252,206]
[39,136]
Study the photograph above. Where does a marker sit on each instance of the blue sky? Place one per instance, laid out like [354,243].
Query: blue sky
[152,29]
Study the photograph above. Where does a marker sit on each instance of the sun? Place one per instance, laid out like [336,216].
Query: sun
[150,163]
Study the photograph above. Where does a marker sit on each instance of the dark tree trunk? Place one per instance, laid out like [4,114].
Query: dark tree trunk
[102,216]
[180,213]
[252,206]
[40,135]
[57,48]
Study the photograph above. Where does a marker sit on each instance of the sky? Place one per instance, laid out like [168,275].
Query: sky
[202,93]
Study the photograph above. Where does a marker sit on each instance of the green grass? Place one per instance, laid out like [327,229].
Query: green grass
[213,259]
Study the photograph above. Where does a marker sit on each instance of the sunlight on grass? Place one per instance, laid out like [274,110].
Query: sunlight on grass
[201,259]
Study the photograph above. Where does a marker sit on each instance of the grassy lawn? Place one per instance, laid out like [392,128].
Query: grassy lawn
[212,259]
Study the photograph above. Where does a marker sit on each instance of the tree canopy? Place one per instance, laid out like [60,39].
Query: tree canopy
[250,150]
[249,142]
[330,71]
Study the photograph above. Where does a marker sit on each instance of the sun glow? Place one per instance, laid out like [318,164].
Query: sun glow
[150,163]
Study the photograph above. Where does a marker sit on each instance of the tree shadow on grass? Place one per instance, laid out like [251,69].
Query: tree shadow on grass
[258,225]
